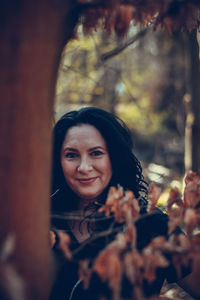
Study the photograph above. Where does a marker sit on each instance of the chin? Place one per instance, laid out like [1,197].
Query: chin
[89,197]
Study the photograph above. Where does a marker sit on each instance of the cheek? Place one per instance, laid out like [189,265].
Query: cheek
[108,169]
[67,169]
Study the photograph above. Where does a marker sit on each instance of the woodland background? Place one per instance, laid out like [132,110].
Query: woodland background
[145,78]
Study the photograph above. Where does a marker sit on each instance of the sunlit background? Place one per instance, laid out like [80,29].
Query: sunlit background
[144,79]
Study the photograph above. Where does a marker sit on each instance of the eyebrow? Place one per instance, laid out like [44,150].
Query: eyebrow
[91,149]
[69,148]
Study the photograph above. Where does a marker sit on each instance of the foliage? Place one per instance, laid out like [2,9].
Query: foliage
[121,257]
[137,266]
[117,14]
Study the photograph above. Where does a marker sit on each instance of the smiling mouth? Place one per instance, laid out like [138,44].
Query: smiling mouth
[87,180]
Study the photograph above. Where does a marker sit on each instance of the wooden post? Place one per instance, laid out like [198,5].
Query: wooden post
[32,34]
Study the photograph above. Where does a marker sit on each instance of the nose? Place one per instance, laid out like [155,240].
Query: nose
[85,165]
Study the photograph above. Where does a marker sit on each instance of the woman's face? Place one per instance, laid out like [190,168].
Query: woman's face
[85,161]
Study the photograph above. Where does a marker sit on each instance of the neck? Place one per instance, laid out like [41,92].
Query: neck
[83,203]
[79,226]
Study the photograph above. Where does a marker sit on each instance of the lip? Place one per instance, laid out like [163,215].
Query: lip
[87,180]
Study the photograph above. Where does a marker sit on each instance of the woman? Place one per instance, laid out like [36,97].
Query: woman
[92,151]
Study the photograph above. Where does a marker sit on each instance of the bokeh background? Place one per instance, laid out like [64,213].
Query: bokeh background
[144,78]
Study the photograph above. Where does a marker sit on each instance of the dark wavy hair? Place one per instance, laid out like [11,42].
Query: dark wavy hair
[126,168]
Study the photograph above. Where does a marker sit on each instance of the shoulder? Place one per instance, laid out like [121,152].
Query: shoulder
[157,220]
[150,226]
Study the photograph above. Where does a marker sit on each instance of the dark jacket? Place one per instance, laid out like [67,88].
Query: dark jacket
[67,282]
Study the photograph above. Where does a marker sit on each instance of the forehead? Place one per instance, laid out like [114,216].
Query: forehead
[84,135]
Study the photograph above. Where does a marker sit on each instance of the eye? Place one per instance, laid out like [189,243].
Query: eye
[97,153]
[71,155]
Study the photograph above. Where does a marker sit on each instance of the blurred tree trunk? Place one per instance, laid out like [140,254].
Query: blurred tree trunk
[108,81]
[108,99]
[32,35]
[193,118]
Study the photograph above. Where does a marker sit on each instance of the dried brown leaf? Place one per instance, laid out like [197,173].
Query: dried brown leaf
[85,272]
[191,220]
[153,196]
[133,265]
[64,243]
[152,260]
[175,219]
[192,190]
[174,198]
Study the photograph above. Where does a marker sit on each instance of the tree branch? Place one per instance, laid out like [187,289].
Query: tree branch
[123,46]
